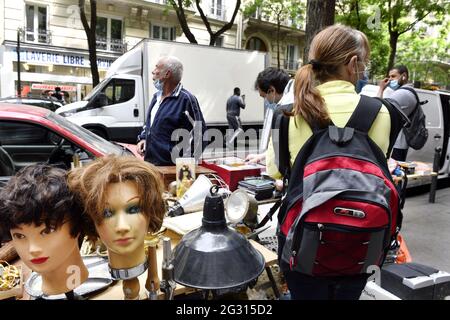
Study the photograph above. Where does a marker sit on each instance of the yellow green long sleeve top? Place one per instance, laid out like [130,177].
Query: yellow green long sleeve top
[341,100]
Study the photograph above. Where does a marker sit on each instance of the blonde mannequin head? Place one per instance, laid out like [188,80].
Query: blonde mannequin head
[123,198]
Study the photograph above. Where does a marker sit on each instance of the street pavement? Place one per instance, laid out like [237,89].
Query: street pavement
[426,229]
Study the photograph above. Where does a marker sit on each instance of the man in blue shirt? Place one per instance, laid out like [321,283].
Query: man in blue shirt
[172,108]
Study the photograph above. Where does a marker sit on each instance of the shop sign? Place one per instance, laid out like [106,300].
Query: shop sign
[66,59]
[45,87]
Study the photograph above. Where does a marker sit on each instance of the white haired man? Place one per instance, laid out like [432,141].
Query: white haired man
[171,108]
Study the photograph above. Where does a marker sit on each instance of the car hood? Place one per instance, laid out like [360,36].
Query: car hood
[72,106]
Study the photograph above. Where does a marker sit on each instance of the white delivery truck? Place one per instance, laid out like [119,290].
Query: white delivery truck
[116,108]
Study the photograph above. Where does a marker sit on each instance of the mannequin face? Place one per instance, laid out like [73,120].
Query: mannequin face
[124,226]
[44,249]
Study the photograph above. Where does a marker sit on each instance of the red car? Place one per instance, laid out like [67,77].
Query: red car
[30,135]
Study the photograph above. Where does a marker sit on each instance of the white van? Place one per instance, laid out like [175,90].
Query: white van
[437,112]
[116,108]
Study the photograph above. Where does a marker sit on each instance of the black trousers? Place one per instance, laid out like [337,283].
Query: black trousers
[399,154]
[234,122]
[305,287]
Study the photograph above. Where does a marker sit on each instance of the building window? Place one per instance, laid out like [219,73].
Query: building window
[219,41]
[36,19]
[217,9]
[109,34]
[257,44]
[163,33]
[291,57]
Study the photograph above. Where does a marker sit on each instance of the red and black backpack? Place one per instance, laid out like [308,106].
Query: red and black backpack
[341,212]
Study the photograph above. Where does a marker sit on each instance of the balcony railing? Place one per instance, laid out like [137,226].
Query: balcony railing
[291,65]
[115,45]
[41,36]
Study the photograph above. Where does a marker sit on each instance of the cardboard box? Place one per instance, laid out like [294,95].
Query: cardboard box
[232,169]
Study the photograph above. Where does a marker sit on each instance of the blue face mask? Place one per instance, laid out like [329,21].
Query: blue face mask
[269,104]
[361,83]
[158,84]
[394,84]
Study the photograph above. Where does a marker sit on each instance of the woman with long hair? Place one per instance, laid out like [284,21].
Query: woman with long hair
[325,94]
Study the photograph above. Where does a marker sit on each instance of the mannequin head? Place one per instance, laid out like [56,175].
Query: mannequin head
[44,222]
[123,199]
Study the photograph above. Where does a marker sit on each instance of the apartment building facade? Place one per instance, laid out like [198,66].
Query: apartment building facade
[54,51]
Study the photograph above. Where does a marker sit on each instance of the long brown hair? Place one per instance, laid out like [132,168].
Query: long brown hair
[330,49]
[90,183]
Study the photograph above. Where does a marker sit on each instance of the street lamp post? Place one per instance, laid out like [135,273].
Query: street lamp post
[19,84]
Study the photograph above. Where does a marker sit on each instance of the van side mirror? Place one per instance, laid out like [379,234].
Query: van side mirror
[101,100]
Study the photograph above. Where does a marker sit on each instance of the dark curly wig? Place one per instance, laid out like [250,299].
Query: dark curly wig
[39,194]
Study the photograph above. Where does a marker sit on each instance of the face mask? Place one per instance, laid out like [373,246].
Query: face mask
[270,104]
[361,82]
[158,84]
[393,84]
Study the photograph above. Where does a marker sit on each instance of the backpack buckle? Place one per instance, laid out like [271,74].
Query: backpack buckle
[340,136]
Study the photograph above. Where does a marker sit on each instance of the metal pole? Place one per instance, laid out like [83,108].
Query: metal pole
[19,84]
[434,174]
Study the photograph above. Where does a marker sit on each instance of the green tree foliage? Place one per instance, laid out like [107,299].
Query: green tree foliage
[365,17]
[426,52]
[278,11]
[395,23]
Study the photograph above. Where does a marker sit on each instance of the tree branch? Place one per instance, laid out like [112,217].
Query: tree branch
[229,25]
[179,10]
[83,16]
[204,18]
[413,24]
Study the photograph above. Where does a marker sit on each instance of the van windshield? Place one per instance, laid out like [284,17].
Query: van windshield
[96,89]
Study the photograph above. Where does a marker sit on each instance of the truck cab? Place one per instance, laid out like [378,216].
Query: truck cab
[114,109]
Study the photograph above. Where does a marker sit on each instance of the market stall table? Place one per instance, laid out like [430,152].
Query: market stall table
[114,291]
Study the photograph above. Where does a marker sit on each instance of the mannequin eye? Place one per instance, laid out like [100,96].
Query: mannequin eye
[48,230]
[18,236]
[133,209]
[107,213]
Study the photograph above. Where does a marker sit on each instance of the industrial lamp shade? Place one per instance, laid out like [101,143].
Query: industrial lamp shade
[215,256]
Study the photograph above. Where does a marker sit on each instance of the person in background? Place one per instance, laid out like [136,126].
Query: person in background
[172,107]
[272,84]
[234,105]
[405,99]
[57,94]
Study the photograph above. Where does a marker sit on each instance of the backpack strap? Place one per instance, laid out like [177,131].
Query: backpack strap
[398,120]
[412,91]
[365,114]
[280,142]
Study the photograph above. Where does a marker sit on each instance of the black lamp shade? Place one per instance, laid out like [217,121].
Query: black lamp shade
[215,256]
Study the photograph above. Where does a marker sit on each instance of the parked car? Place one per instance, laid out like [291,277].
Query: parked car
[43,102]
[30,135]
